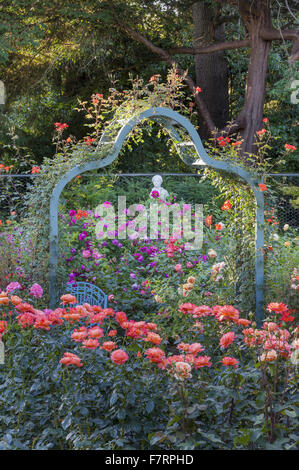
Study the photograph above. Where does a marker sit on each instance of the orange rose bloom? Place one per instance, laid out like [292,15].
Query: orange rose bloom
[243,322]
[195,348]
[74,316]
[208,220]
[153,338]
[271,326]
[202,361]
[71,359]
[68,299]
[226,206]
[15,300]
[155,354]
[24,307]
[96,332]
[119,356]
[3,326]
[109,311]
[42,324]
[290,147]
[151,326]
[112,333]
[97,308]
[90,343]
[4,300]
[277,307]
[230,361]
[228,312]
[108,346]
[183,346]
[121,317]
[187,308]
[202,311]
[79,334]
[237,143]
[227,339]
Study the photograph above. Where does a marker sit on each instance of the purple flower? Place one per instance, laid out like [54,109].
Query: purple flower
[155,194]
[36,290]
[72,213]
[132,276]
[13,286]
[83,235]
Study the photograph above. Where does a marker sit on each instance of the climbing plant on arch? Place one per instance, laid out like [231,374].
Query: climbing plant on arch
[191,150]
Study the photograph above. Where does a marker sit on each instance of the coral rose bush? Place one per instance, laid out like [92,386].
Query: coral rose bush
[221,384]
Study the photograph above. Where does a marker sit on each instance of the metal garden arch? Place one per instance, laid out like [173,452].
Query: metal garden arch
[185,137]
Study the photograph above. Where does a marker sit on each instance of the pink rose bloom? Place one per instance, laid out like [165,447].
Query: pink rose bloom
[13,286]
[36,290]
[86,254]
[189,264]
[178,267]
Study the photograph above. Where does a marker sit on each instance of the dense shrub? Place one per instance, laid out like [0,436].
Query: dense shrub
[91,378]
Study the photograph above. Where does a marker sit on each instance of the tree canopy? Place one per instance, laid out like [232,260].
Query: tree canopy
[241,55]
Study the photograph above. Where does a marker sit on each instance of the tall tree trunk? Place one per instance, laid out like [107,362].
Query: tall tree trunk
[210,69]
[256,16]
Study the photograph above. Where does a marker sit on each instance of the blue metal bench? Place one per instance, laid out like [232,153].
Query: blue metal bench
[87,293]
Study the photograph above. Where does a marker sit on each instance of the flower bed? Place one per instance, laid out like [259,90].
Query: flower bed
[85,377]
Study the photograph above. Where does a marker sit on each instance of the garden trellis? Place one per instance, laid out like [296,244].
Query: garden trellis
[190,148]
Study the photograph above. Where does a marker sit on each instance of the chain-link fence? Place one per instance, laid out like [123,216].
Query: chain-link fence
[282,202]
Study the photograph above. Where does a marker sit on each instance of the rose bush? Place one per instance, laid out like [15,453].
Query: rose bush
[85,377]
